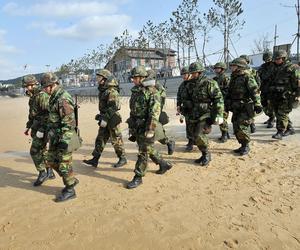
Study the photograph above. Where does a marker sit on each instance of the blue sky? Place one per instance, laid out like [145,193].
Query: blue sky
[38,33]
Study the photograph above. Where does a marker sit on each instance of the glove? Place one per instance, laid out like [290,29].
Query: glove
[258,109]
[98,117]
[39,134]
[26,132]
[219,120]
[62,145]
[103,124]
[149,134]
[132,138]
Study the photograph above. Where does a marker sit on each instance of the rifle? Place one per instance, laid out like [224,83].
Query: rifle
[76,107]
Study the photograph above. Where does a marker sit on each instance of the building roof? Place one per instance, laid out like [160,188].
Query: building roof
[152,53]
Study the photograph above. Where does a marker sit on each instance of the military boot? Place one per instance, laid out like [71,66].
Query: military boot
[93,162]
[204,159]
[245,149]
[171,147]
[136,181]
[278,135]
[289,131]
[252,128]
[122,161]
[50,173]
[73,185]
[238,150]
[67,193]
[164,166]
[270,122]
[189,146]
[223,137]
[41,178]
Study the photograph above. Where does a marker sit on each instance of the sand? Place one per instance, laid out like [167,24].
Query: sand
[249,202]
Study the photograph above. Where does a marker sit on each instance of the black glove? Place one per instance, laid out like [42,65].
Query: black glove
[132,138]
[258,109]
[98,117]
[62,145]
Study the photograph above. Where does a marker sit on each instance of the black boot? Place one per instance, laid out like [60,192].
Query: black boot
[223,137]
[164,166]
[67,193]
[278,135]
[50,173]
[245,149]
[189,146]
[289,131]
[41,178]
[204,159]
[252,128]
[270,122]
[73,185]
[93,162]
[136,181]
[238,150]
[171,147]
[122,161]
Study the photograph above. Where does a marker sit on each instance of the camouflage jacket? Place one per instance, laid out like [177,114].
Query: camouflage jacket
[162,93]
[243,90]
[223,82]
[38,110]
[265,72]
[255,75]
[145,108]
[207,99]
[286,80]
[61,115]
[109,99]
[184,100]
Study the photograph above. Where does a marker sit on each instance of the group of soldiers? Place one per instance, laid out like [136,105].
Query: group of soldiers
[203,102]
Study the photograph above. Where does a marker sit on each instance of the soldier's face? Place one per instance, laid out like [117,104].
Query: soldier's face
[278,61]
[233,68]
[195,75]
[217,70]
[100,79]
[48,90]
[29,88]
[185,77]
[136,80]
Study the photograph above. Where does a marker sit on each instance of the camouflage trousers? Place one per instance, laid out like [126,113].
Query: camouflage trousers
[38,151]
[267,106]
[224,125]
[61,162]
[166,139]
[146,150]
[200,131]
[241,124]
[282,109]
[115,135]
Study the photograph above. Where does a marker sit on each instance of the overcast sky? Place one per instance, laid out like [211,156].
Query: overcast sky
[52,32]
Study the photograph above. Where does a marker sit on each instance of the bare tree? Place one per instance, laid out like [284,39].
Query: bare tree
[262,44]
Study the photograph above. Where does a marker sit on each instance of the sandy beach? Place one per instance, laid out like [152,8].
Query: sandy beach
[250,202]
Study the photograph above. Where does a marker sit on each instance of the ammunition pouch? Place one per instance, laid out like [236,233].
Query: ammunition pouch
[115,120]
[249,107]
[187,104]
[164,118]
[35,125]
[74,143]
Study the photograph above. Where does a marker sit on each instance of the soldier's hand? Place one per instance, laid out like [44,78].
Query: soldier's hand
[149,134]
[103,124]
[97,117]
[39,134]
[26,132]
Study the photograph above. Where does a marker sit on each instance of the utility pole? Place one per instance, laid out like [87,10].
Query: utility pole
[298,32]
[275,35]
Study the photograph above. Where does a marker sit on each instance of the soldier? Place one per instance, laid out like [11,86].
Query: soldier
[223,82]
[254,73]
[285,91]
[37,123]
[265,74]
[208,108]
[163,118]
[184,106]
[109,119]
[61,130]
[143,121]
[243,101]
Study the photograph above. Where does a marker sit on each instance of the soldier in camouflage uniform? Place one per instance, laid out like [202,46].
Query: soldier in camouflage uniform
[207,109]
[184,106]
[144,117]
[37,123]
[255,74]
[265,72]
[163,118]
[285,91]
[61,129]
[109,119]
[223,82]
[243,101]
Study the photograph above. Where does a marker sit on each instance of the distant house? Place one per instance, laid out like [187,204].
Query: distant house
[126,58]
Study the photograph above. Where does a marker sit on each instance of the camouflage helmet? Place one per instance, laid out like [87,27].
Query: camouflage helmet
[267,56]
[196,67]
[280,54]
[104,72]
[247,59]
[139,71]
[240,62]
[29,80]
[151,74]
[48,79]
[220,65]
[184,70]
